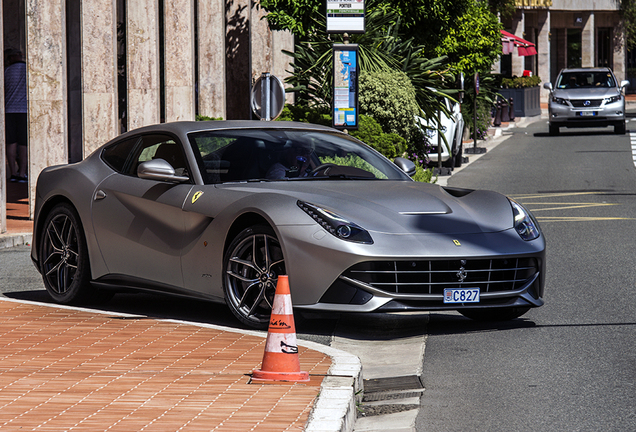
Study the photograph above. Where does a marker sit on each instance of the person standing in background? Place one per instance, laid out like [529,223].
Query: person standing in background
[15,99]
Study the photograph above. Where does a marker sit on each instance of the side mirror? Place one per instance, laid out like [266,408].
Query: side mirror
[405,165]
[624,83]
[159,169]
[547,86]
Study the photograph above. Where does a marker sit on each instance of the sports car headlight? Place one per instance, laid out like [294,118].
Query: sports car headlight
[559,100]
[612,99]
[336,225]
[525,224]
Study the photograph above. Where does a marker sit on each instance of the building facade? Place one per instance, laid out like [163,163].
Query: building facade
[567,33]
[96,68]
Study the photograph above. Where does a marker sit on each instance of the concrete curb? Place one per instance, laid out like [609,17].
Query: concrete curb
[11,240]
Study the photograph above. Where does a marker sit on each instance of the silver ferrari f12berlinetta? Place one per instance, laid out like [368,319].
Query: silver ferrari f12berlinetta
[218,210]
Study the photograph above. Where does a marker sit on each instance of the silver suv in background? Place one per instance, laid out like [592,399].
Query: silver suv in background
[586,97]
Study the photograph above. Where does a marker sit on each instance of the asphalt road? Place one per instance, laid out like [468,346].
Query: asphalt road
[571,364]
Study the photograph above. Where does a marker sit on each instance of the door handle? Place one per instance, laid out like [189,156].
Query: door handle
[100,195]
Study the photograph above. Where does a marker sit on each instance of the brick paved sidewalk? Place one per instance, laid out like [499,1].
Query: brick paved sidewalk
[67,369]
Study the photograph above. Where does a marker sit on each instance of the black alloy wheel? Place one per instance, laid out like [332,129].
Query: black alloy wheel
[64,257]
[251,267]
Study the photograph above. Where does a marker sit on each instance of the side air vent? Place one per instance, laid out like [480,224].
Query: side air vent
[457,192]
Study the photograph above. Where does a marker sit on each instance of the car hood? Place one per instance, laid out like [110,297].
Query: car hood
[397,207]
[586,93]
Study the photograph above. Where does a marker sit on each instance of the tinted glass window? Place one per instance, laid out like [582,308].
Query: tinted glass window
[276,154]
[116,155]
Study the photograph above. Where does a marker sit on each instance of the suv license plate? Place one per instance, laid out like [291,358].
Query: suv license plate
[587,113]
[461,295]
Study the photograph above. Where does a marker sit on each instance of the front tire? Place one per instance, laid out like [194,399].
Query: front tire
[63,256]
[251,267]
[459,158]
[554,130]
[494,314]
[619,128]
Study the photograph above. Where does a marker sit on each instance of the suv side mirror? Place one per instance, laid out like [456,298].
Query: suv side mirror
[405,165]
[547,86]
[624,83]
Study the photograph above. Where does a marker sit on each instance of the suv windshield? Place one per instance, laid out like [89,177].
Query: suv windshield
[287,154]
[569,80]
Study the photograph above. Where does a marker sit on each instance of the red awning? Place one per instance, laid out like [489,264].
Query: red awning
[524,47]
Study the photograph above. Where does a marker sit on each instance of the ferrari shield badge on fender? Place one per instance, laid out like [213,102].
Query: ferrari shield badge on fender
[196,196]
[457,243]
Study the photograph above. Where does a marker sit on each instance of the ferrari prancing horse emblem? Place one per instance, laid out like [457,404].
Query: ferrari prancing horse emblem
[196,196]
[457,243]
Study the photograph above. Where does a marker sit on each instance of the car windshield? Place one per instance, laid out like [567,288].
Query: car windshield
[569,80]
[287,154]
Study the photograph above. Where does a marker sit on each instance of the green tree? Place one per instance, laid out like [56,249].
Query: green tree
[428,24]
[628,13]
[389,97]
[381,48]
[474,43]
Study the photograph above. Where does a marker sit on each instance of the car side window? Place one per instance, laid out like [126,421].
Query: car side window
[117,154]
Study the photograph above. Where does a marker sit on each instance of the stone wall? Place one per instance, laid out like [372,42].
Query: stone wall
[212,51]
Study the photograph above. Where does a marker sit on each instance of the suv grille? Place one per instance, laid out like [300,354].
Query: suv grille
[581,103]
[431,277]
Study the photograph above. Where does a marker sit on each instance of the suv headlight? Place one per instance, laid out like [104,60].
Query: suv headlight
[559,100]
[525,224]
[612,99]
[336,225]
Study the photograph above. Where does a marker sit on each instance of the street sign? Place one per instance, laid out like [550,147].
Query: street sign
[477,82]
[345,16]
[267,97]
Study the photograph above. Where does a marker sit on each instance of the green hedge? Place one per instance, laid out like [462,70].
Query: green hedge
[520,82]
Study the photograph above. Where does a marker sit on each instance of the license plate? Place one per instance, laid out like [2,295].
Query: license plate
[461,295]
[586,113]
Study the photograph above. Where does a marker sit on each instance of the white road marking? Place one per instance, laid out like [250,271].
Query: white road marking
[632,139]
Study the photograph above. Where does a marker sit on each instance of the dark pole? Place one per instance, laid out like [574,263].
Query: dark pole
[475,120]
[439,141]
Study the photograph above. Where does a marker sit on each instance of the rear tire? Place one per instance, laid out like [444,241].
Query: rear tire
[494,314]
[63,256]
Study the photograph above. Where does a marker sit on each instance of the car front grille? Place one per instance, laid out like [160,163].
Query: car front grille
[586,103]
[432,277]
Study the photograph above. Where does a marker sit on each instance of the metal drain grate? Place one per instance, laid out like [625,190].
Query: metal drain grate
[392,388]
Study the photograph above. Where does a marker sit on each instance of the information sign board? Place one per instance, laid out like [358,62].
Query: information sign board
[345,86]
[345,16]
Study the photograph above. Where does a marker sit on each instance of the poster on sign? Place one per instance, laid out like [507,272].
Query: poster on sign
[345,86]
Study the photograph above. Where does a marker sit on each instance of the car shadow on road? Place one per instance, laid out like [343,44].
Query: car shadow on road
[577,133]
[451,323]
[357,326]
[152,306]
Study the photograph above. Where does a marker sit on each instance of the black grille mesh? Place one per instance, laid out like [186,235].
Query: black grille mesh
[431,277]
[581,103]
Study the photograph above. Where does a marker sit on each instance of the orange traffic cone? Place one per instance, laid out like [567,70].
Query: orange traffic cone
[280,361]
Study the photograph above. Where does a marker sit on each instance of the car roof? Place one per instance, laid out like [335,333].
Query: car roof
[195,126]
[182,128]
[587,69]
